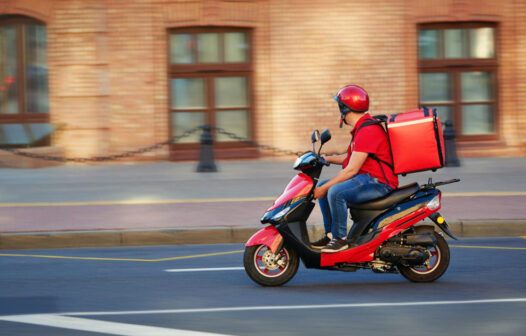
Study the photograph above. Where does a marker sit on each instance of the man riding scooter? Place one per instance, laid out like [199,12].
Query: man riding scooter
[385,237]
[367,169]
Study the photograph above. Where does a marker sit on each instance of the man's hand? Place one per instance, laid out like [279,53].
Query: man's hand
[320,192]
[356,162]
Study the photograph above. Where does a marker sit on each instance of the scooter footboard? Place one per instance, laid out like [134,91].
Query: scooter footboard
[269,236]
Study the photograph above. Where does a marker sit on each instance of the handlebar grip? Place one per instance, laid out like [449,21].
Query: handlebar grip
[324,162]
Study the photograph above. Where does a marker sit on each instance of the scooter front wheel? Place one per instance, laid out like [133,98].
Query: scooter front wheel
[269,269]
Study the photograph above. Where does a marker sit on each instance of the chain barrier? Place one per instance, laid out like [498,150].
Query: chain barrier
[154,147]
[255,144]
[266,147]
[102,158]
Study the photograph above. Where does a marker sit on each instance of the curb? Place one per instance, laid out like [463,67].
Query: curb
[213,235]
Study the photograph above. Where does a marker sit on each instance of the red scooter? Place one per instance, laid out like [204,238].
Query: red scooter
[383,238]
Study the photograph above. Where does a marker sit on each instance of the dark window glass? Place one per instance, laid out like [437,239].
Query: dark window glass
[208,48]
[455,43]
[231,92]
[236,47]
[188,93]
[8,70]
[181,49]
[184,121]
[36,68]
[429,44]
[435,88]
[477,119]
[477,86]
[482,42]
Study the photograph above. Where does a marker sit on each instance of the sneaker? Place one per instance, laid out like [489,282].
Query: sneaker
[335,245]
[319,244]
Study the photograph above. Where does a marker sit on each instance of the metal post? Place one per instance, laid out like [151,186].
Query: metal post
[450,146]
[206,156]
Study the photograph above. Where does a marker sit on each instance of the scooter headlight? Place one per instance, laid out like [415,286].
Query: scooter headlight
[297,163]
[280,214]
[434,203]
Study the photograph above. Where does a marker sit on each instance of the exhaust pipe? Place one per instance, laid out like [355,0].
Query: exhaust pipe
[426,239]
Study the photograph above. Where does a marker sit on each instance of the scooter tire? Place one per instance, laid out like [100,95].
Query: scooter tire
[258,272]
[438,268]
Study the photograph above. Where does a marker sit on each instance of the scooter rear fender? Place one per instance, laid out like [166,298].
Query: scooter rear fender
[269,236]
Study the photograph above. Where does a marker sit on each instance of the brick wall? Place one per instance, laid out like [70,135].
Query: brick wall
[108,64]
[319,48]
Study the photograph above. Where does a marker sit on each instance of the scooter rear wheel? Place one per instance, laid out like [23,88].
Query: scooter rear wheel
[269,269]
[436,265]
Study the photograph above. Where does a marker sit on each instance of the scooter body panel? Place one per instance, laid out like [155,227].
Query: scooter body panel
[411,212]
[365,253]
[268,236]
[295,235]
[371,234]
[300,185]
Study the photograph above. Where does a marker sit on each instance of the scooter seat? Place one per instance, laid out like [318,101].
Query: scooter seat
[385,202]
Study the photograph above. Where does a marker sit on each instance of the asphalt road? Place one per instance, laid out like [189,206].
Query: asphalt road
[128,291]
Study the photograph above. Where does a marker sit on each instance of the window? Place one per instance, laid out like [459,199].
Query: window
[210,83]
[458,76]
[24,102]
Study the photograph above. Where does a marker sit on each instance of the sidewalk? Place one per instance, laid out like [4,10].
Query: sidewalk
[167,202]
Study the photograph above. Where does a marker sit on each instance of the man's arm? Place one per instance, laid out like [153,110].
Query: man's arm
[356,162]
[336,159]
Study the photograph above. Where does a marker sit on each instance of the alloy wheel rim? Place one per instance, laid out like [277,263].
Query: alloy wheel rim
[433,262]
[266,263]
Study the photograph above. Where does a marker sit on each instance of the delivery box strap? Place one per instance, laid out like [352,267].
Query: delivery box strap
[377,121]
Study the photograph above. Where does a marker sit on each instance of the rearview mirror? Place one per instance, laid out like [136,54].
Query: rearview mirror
[325,136]
[315,136]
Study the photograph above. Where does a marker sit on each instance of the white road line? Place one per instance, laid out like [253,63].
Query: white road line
[204,269]
[106,327]
[326,306]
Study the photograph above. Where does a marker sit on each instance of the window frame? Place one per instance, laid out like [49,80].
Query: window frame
[23,116]
[210,71]
[455,67]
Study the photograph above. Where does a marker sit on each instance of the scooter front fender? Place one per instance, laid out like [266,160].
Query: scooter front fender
[269,236]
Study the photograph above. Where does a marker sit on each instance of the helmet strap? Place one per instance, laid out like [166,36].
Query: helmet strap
[342,120]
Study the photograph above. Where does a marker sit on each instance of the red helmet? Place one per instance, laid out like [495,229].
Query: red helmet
[352,98]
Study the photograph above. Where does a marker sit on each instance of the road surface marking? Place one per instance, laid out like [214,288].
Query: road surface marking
[138,202]
[105,327]
[294,307]
[65,257]
[199,255]
[489,247]
[219,200]
[205,269]
[523,237]
[202,255]
[120,259]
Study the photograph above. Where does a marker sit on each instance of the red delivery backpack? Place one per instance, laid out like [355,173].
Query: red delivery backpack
[415,138]
[416,141]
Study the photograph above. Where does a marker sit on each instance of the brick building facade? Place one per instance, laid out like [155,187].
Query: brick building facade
[112,76]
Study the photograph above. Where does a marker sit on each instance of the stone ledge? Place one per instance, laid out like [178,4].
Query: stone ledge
[214,235]
[9,160]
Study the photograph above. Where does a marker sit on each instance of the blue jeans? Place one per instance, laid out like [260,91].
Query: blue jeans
[359,189]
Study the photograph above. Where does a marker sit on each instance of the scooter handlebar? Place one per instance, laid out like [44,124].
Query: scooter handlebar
[323,161]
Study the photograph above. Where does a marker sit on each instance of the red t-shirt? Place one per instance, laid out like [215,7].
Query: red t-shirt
[372,139]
